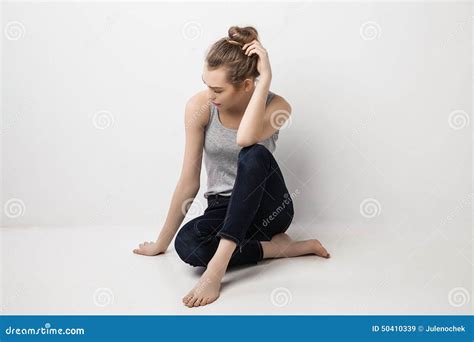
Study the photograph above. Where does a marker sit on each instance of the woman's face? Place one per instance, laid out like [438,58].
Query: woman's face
[222,93]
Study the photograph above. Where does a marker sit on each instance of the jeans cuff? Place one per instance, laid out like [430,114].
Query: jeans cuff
[260,247]
[230,237]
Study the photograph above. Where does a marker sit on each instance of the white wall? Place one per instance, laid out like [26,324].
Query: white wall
[371,117]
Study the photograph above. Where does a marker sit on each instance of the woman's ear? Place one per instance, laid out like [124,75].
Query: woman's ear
[249,84]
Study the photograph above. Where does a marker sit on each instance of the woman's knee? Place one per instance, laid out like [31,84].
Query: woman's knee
[188,247]
[254,155]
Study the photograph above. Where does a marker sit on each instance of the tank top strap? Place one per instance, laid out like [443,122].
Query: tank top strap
[270,96]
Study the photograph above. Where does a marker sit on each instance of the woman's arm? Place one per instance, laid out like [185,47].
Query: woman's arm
[184,192]
[260,121]
[251,125]
[196,115]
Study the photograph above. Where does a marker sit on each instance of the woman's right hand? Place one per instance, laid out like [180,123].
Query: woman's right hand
[149,248]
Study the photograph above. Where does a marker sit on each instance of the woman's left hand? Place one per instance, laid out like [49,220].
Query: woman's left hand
[263,64]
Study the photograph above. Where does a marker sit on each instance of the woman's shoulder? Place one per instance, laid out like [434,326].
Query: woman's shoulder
[198,108]
[278,108]
[277,97]
[278,101]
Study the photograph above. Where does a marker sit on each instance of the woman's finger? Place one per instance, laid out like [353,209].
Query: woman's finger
[255,43]
[252,47]
[248,48]
[255,50]
[249,43]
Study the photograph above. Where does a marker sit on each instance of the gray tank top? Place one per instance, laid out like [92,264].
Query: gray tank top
[221,153]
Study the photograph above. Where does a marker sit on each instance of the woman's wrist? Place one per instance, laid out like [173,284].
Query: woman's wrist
[162,242]
[265,79]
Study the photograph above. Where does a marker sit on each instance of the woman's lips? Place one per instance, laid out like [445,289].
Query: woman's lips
[217,104]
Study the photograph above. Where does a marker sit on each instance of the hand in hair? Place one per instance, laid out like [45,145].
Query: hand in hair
[263,64]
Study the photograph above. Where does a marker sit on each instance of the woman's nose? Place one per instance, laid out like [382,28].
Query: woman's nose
[211,95]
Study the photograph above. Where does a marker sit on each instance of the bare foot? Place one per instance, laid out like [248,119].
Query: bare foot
[319,249]
[281,240]
[284,246]
[206,290]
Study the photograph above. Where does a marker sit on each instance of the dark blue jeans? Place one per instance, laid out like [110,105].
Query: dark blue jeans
[259,207]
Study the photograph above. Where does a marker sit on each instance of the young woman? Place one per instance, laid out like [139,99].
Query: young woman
[236,123]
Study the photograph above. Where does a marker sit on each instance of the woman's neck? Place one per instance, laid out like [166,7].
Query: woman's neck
[239,109]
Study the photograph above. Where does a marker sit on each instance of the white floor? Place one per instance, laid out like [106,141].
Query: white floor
[92,270]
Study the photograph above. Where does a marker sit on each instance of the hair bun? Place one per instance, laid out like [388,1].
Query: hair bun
[243,35]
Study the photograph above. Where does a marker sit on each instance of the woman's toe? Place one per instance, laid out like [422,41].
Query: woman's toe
[187,298]
[192,301]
